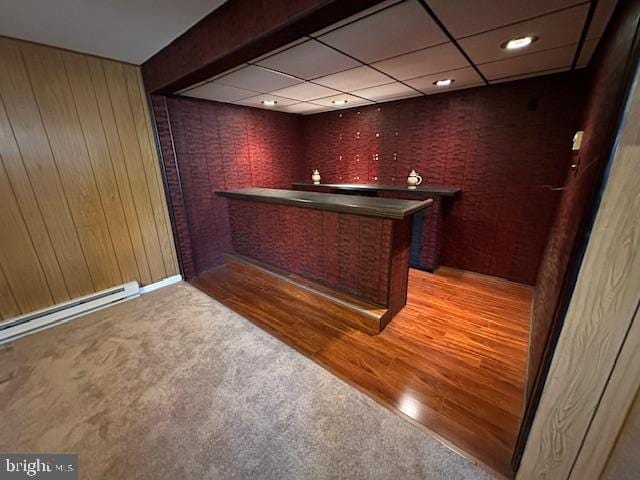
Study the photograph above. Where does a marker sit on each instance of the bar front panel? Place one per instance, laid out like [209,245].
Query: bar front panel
[345,252]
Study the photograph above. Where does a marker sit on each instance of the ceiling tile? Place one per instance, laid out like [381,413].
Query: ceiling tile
[258,79]
[396,30]
[390,91]
[354,79]
[588,47]
[556,30]
[601,18]
[355,17]
[468,17]
[462,78]
[305,91]
[238,67]
[258,99]
[304,107]
[538,62]
[423,62]
[219,93]
[278,50]
[351,101]
[310,60]
[530,75]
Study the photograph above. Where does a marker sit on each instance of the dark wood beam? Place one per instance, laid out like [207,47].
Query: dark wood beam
[239,31]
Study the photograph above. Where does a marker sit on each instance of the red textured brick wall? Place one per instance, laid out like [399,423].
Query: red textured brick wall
[350,253]
[175,197]
[487,141]
[209,146]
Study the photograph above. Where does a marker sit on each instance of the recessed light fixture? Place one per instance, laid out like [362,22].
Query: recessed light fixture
[519,42]
[445,82]
[339,102]
[269,103]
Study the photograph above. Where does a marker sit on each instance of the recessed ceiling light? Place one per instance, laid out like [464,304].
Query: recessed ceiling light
[269,103]
[520,42]
[445,82]
[339,102]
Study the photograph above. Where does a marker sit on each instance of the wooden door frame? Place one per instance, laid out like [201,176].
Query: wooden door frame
[594,373]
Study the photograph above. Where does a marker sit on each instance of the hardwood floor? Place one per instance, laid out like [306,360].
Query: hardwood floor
[452,361]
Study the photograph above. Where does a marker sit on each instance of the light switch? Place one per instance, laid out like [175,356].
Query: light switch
[577,140]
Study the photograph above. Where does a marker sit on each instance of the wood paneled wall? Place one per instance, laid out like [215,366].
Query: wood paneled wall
[594,373]
[82,201]
[612,64]
[624,462]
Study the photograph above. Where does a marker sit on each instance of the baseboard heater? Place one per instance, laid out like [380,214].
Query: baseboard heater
[40,319]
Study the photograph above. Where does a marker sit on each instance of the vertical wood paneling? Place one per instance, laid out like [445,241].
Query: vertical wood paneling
[83,207]
[30,209]
[24,272]
[32,140]
[96,142]
[115,76]
[141,119]
[53,94]
[611,68]
[599,321]
[119,165]
[8,306]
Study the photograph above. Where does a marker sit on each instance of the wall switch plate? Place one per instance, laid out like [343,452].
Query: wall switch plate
[577,140]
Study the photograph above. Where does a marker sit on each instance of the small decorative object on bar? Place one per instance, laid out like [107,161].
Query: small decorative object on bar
[315,176]
[413,180]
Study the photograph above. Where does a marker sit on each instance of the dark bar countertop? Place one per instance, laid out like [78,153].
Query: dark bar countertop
[371,206]
[431,190]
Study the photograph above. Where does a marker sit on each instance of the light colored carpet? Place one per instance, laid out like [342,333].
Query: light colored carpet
[175,385]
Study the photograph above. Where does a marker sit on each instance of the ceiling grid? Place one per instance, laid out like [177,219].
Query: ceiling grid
[400,49]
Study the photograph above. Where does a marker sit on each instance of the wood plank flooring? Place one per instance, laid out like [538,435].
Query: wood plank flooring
[453,361]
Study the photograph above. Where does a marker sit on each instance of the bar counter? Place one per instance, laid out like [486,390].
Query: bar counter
[353,246]
[426,191]
[369,206]
[427,225]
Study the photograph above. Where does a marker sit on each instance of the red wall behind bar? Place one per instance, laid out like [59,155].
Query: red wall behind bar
[218,146]
[486,141]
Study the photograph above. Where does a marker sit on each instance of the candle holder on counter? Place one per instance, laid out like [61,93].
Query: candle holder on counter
[413,180]
[315,177]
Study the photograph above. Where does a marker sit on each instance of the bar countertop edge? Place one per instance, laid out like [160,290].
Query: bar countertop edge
[369,206]
[431,190]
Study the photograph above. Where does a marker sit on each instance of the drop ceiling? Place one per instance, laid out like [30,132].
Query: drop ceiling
[127,30]
[399,49]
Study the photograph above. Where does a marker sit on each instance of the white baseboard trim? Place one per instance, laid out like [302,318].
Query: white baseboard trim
[162,283]
[22,325]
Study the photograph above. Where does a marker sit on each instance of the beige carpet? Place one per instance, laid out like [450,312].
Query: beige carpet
[175,385]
